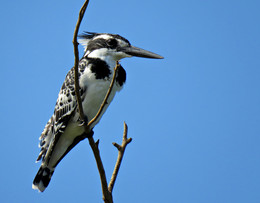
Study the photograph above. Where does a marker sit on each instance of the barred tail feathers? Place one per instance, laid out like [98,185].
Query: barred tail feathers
[42,178]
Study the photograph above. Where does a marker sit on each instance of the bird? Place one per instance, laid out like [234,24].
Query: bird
[64,129]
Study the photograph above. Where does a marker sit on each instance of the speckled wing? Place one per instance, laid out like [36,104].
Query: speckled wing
[64,111]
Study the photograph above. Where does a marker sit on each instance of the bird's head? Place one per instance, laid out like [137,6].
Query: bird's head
[103,45]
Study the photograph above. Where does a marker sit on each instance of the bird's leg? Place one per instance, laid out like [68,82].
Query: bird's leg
[85,123]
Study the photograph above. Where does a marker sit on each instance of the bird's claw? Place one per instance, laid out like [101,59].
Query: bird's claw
[84,122]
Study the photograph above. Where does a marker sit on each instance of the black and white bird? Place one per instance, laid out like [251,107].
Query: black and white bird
[63,131]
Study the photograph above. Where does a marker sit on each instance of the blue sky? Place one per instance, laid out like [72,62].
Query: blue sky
[194,117]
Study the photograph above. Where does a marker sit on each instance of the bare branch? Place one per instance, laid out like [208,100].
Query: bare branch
[107,191]
[121,150]
[76,61]
[107,197]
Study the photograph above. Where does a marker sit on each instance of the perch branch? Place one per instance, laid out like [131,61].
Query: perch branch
[107,197]
[107,193]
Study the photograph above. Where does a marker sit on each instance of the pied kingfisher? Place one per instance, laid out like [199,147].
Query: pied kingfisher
[63,131]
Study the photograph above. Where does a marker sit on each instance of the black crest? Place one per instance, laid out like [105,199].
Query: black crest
[91,35]
[88,35]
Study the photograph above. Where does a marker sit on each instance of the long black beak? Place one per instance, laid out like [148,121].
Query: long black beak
[135,51]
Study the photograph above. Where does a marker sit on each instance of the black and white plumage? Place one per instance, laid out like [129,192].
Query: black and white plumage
[63,131]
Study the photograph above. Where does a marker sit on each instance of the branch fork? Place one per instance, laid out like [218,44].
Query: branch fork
[121,151]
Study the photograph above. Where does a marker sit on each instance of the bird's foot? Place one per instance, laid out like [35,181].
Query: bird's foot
[84,122]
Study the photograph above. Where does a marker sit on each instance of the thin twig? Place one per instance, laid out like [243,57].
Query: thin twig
[106,97]
[76,61]
[121,150]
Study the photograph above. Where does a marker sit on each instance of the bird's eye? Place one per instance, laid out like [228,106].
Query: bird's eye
[112,43]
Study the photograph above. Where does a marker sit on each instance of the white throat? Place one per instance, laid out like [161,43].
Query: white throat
[105,55]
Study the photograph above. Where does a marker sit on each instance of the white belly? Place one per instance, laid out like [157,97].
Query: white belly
[95,95]
[96,92]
